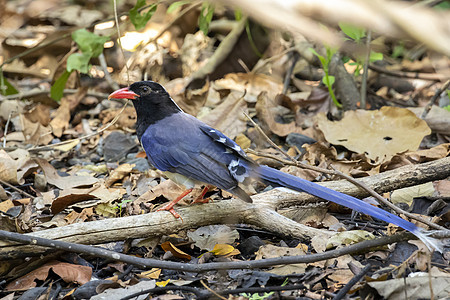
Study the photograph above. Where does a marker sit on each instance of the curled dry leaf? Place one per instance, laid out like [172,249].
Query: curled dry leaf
[252,84]
[68,197]
[229,116]
[380,134]
[119,173]
[63,182]
[36,133]
[168,246]
[68,272]
[8,168]
[265,115]
[349,237]
[207,237]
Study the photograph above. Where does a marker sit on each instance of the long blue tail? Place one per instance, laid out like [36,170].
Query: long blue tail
[301,185]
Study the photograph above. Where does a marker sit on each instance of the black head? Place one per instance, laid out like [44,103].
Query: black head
[151,101]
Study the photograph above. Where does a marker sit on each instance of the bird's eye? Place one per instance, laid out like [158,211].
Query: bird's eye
[145,90]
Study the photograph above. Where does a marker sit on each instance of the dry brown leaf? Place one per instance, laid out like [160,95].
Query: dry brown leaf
[265,115]
[379,134]
[118,174]
[252,84]
[39,113]
[35,133]
[8,168]
[229,116]
[61,119]
[438,119]
[63,182]
[68,272]
[169,247]
[68,197]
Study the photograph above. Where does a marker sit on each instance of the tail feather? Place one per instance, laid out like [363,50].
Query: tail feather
[301,185]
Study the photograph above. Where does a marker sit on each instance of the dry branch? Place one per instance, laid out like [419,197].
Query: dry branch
[260,214]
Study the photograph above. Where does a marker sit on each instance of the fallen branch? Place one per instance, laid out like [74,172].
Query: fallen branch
[260,214]
[187,267]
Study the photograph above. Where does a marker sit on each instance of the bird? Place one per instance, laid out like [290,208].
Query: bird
[190,152]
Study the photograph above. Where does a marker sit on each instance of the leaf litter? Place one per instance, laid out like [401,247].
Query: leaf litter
[95,179]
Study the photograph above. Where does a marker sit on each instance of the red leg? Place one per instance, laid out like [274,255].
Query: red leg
[169,206]
[200,199]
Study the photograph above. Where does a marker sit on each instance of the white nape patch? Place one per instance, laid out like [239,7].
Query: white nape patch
[222,140]
[212,130]
[286,190]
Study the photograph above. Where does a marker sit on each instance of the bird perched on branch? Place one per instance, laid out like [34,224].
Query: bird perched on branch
[191,152]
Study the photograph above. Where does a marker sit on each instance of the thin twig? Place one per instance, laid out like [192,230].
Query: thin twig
[365,71]
[433,100]
[212,291]
[17,189]
[108,78]
[268,139]
[6,129]
[38,92]
[113,121]
[412,75]
[116,18]
[341,294]
[360,247]
[178,17]
[272,58]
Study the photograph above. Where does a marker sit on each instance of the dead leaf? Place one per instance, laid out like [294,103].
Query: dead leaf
[223,249]
[406,195]
[61,118]
[229,116]
[207,237]
[349,237]
[119,173]
[379,134]
[69,197]
[63,182]
[413,288]
[265,115]
[271,251]
[68,272]
[252,83]
[8,168]
[169,247]
[36,133]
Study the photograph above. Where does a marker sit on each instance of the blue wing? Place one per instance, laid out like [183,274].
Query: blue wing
[183,144]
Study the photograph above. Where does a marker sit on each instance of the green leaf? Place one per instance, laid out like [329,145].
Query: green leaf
[175,5]
[79,62]
[205,17]
[57,89]
[330,81]
[6,88]
[447,107]
[374,56]
[238,14]
[139,21]
[89,42]
[355,33]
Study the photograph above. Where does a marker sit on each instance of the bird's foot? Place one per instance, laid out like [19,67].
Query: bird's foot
[169,206]
[200,199]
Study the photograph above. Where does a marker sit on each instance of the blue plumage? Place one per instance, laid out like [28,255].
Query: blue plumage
[179,143]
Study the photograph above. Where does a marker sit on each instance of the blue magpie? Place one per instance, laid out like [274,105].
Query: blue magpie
[190,152]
